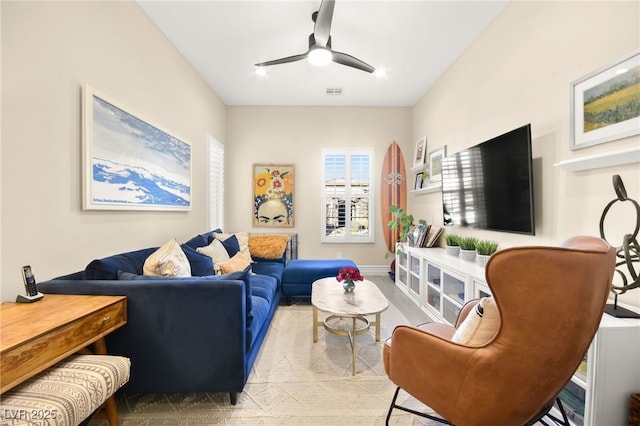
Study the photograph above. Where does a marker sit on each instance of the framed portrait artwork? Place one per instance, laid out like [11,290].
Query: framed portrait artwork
[273,187]
[418,156]
[605,105]
[435,164]
[130,163]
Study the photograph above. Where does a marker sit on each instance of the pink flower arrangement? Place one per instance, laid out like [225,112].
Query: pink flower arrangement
[349,275]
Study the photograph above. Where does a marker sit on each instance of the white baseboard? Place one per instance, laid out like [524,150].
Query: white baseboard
[373,269]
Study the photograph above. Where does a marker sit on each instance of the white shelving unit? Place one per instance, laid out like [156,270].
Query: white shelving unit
[426,190]
[598,393]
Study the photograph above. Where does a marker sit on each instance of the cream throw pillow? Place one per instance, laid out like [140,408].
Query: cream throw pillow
[243,241]
[480,325]
[168,261]
[216,251]
[238,262]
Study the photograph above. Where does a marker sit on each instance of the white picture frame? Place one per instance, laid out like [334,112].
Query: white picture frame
[435,164]
[419,152]
[130,163]
[604,103]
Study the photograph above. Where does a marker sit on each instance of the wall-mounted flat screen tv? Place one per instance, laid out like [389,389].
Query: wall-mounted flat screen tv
[490,185]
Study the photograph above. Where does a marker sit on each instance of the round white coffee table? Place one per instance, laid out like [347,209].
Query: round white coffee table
[327,295]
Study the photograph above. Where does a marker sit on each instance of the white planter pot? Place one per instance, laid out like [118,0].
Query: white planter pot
[468,255]
[482,259]
[453,250]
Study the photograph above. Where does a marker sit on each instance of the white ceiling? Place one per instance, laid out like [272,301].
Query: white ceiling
[414,41]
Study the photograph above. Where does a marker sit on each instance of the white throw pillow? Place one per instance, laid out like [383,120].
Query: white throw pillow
[480,326]
[168,261]
[243,241]
[216,251]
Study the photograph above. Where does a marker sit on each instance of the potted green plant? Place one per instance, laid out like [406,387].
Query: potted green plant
[403,222]
[468,248]
[484,250]
[452,242]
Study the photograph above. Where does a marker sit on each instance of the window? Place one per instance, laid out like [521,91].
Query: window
[347,195]
[215,155]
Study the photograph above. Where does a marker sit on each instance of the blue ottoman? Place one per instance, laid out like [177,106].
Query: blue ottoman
[299,274]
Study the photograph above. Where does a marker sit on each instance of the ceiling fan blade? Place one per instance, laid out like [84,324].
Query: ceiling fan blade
[323,22]
[293,58]
[350,61]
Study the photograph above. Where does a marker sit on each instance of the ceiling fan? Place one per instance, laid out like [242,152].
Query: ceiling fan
[320,52]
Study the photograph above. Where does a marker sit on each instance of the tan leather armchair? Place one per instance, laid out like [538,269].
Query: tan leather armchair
[550,301]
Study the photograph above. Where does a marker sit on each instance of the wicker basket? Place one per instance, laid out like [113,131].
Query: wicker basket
[634,409]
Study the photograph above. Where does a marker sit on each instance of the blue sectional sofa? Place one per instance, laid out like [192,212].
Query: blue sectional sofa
[192,334]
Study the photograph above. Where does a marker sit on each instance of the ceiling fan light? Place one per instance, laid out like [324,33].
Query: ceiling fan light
[320,56]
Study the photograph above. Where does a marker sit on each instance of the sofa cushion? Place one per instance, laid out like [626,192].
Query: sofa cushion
[168,260]
[264,286]
[270,247]
[201,264]
[272,269]
[216,251]
[241,237]
[237,263]
[108,267]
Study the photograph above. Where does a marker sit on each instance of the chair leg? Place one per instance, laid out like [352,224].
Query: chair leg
[409,410]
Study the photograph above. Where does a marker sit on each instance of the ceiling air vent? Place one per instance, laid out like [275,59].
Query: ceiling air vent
[334,91]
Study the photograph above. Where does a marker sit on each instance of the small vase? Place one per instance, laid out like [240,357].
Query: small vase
[453,250]
[348,286]
[468,255]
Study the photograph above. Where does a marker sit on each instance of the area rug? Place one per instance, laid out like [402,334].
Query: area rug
[294,382]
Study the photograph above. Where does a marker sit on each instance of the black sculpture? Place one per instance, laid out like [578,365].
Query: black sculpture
[629,252]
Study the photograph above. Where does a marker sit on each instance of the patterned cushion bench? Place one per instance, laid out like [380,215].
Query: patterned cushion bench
[299,274]
[67,393]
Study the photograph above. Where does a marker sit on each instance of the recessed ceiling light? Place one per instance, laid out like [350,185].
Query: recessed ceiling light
[260,71]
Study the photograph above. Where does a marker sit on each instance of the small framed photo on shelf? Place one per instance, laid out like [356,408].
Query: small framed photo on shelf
[602,103]
[421,147]
[418,184]
[435,164]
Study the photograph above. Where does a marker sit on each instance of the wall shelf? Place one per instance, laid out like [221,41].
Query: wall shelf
[606,159]
[427,190]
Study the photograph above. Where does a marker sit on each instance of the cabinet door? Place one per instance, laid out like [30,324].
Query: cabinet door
[414,276]
[434,292]
[402,271]
[454,296]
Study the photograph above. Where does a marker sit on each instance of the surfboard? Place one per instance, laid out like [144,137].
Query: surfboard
[393,191]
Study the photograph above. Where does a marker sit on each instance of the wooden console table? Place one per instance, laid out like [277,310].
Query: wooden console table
[35,336]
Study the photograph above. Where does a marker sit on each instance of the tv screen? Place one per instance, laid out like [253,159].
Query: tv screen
[490,185]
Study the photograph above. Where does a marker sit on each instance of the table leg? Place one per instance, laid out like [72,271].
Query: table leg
[378,327]
[353,349]
[315,325]
[109,406]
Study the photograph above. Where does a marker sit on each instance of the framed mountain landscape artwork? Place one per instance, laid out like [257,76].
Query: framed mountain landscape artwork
[130,163]
[605,105]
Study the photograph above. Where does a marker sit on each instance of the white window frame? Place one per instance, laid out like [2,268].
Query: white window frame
[348,237]
[215,183]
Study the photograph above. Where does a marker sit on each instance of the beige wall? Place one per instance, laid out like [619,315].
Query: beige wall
[49,50]
[519,72]
[296,135]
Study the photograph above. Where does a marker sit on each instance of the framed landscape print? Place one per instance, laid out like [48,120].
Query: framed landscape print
[435,164]
[130,163]
[273,187]
[605,105]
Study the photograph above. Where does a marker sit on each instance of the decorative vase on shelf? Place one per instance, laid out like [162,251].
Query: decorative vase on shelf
[348,277]
[468,255]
